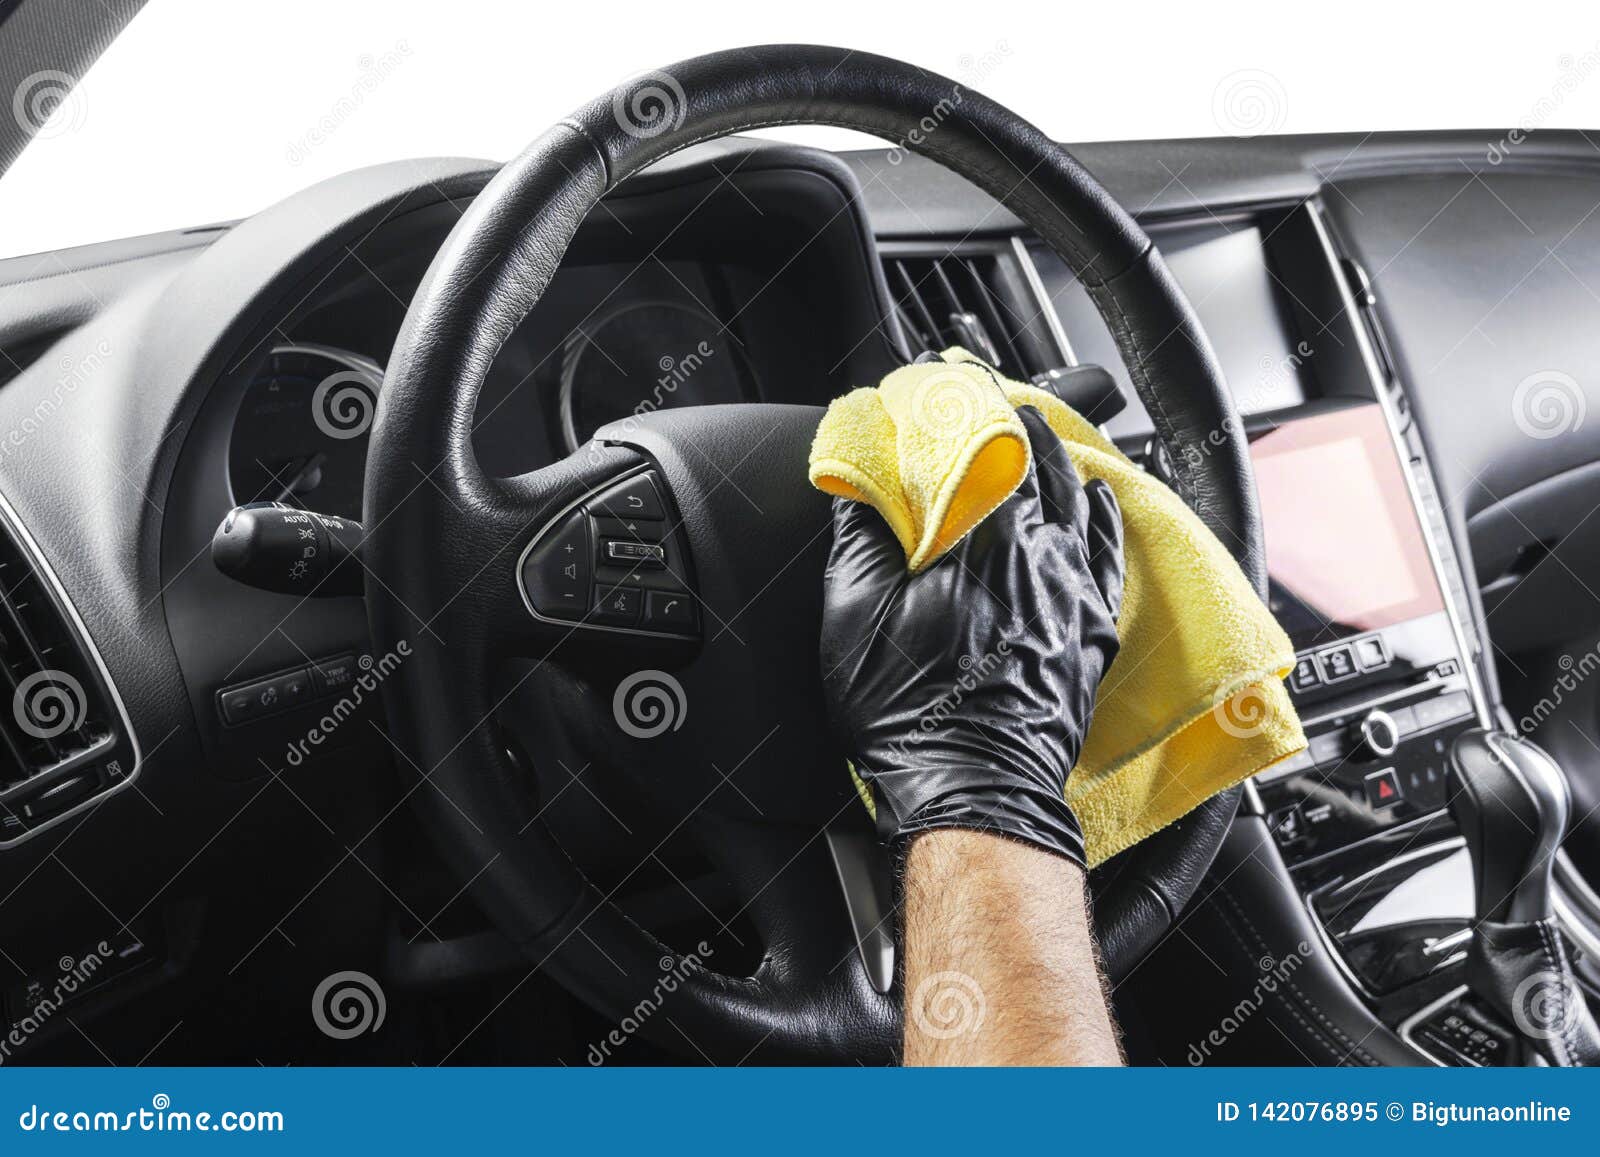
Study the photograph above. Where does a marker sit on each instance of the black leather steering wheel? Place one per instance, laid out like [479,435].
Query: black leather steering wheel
[755,787]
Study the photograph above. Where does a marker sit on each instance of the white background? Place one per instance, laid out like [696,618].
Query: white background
[206,111]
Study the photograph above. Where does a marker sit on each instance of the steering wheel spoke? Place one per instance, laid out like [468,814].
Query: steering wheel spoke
[819,897]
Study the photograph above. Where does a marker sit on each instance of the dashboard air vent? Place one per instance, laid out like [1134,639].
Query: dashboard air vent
[63,740]
[977,299]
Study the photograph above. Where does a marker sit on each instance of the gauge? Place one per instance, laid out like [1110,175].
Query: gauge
[647,356]
[301,432]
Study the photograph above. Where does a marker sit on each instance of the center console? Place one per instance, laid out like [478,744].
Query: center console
[1380,679]
[1383,685]
[1346,859]
[1364,579]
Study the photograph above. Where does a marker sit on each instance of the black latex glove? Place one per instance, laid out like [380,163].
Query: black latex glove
[963,693]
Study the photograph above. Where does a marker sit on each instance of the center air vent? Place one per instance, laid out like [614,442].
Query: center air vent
[63,739]
[975,296]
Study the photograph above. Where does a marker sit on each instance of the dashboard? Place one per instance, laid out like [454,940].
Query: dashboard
[243,364]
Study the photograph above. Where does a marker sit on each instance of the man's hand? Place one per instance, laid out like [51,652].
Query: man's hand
[964,692]
[1000,962]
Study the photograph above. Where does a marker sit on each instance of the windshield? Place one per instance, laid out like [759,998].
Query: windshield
[203,112]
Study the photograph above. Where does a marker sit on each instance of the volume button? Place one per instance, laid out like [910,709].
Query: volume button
[557,570]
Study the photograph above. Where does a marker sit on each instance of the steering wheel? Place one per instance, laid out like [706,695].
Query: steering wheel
[732,741]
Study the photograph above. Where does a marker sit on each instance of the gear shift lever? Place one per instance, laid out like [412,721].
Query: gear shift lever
[1511,804]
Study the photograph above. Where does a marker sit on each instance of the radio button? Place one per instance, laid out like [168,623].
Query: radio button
[1337,663]
[1371,653]
[1327,748]
[1299,761]
[1376,736]
[1432,712]
[1305,676]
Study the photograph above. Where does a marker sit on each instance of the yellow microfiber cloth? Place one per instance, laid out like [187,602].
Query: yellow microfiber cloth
[1194,702]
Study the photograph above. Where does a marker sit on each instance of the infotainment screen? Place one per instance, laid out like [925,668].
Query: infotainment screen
[1345,551]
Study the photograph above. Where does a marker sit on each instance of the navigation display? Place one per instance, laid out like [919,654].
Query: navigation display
[1345,552]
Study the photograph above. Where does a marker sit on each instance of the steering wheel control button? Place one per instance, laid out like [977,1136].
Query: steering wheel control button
[651,554]
[1383,788]
[617,606]
[669,610]
[557,571]
[634,499]
[605,561]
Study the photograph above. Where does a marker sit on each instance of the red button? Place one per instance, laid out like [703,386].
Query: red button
[1383,788]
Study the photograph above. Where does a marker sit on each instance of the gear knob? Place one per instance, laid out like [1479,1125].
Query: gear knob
[1511,803]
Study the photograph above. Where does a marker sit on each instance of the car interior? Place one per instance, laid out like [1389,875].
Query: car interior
[336,542]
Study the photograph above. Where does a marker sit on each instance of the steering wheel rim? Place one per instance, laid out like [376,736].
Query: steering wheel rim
[444,538]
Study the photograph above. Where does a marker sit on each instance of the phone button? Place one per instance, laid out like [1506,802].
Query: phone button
[669,610]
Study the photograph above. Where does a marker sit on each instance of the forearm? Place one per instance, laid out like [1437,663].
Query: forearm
[1000,963]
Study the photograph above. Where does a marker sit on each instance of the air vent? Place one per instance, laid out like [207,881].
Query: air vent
[63,739]
[975,298]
